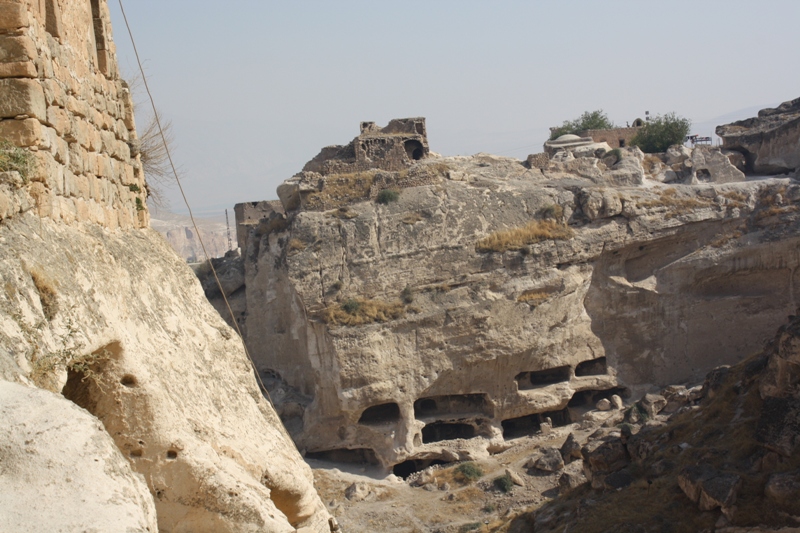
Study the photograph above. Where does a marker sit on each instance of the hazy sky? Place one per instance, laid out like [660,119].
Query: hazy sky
[254,89]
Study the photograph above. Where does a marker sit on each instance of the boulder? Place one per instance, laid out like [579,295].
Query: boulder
[719,491]
[778,426]
[515,478]
[569,481]
[62,472]
[783,488]
[617,402]
[652,404]
[603,405]
[357,492]
[677,154]
[601,458]
[549,461]
[571,449]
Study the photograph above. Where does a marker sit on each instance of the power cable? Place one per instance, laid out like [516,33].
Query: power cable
[186,201]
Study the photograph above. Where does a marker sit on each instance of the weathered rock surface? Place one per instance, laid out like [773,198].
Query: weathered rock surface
[441,349]
[96,306]
[169,381]
[769,142]
[61,471]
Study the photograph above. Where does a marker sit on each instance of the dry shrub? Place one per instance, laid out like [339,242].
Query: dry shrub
[774,211]
[517,238]
[47,293]
[343,213]
[296,245]
[339,190]
[533,297]
[676,203]
[358,311]
[652,164]
[412,218]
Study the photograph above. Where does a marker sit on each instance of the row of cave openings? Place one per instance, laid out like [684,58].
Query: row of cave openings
[467,416]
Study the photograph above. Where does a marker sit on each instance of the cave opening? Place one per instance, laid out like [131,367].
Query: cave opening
[457,404]
[543,378]
[439,431]
[412,466]
[414,149]
[592,367]
[363,456]
[385,413]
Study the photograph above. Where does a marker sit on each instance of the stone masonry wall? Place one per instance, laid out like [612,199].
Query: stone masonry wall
[612,136]
[61,98]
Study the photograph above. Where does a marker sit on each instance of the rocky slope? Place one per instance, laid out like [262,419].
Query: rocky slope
[181,235]
[727,462]
[490,297]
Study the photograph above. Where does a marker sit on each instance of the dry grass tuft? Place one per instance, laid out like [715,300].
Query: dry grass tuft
[652,164]
[343,213]
[296,245]
[677,204]
[47,293]
[339,190]
[358,311]
[533,297]
[517,238]
[412,218]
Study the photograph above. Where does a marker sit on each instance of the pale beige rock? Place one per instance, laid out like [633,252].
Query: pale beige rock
[171,385]
[62,471]
[603,405]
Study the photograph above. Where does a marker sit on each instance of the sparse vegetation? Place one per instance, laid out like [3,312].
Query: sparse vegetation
[612,157]
[678,204]
[589,120]
[533,297]
[47,294]
[344,213]
[517,238]
[295,245]
[468,472]
[387,195]
[358,311]
[407,295]
[661,132]
[16,159]
[472,526]
[336,285]
[412,218]
[339,190]
[139,204]
[552,211]
[134,188]
[503,483]
[652,164]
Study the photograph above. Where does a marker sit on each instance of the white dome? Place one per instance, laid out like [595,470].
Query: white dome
[568,138]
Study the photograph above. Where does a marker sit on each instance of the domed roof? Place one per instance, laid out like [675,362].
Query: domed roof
[568,138]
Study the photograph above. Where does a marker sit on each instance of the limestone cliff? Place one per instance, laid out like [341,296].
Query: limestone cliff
[174,433]
[770,142]
[483,297]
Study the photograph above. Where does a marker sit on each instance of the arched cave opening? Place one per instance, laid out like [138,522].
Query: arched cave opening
[455,404]
[362,456]
[593,367]
[385,413]
[543,378]
[439,431]
[414,149]
[522,426]
[411,466]
[703,175]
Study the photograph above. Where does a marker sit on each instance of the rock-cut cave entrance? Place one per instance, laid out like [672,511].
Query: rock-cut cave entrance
[543,378]
[439,431]
[385,413]
[411,466]
[362,456]
[414,149]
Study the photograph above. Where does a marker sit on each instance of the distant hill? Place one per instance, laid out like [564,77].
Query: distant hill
[182,236]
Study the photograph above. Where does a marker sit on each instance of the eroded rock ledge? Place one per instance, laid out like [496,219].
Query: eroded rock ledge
[392,333]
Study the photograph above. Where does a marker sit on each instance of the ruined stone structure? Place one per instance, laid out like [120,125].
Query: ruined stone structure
[127,403]
[395,147]
[770,142]
[250,214]
[393,333]
[615,137]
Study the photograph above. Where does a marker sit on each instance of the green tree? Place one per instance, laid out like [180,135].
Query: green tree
[589,120]
[661,132]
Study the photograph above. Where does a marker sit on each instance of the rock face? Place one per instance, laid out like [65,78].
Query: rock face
[181,235]
[61,470]
[493,296]
[769,142]
[94,305]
